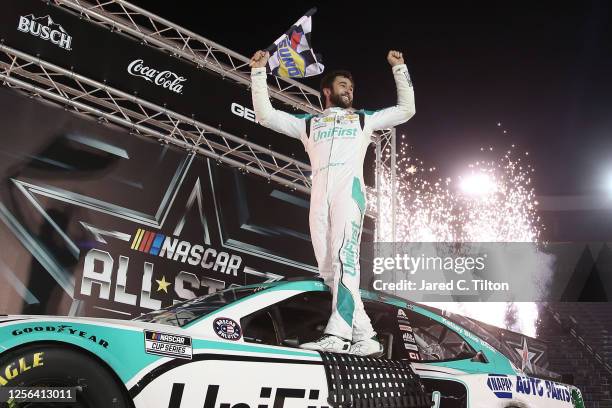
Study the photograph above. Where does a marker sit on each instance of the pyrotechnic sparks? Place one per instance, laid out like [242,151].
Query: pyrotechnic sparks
[493,202]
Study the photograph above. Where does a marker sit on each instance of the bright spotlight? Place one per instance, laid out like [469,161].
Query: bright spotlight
[609,185]
[477,185]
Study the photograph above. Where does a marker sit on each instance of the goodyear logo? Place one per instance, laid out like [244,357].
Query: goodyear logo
[292,64]
[62,328]
[500,385]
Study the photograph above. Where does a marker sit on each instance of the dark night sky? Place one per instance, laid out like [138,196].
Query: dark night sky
[542,70]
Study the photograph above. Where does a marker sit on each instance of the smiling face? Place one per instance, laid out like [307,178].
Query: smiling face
[341,93]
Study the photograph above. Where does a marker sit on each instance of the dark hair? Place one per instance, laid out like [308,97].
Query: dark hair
[330,77]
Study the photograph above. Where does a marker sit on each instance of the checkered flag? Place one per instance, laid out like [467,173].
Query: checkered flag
[291,56]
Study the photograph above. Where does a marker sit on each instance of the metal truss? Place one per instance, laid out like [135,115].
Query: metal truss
[385,142]
[159,33]
[108,105]
[150,29]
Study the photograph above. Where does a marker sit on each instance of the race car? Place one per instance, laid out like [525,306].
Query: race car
[238,348]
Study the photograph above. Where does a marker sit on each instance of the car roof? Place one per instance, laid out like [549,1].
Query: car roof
[317,284]
[306,283]
[382,297]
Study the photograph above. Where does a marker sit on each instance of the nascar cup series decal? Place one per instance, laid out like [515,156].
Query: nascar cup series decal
[168,345]
[227,328]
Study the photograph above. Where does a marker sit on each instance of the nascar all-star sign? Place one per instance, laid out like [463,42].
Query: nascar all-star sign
[95,221]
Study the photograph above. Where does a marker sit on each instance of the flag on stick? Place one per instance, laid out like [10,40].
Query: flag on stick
[292,56]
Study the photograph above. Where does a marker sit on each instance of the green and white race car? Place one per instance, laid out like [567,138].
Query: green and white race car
[238,348]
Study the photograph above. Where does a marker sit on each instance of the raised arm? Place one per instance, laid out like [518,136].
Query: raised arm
[265,113]
[405,109]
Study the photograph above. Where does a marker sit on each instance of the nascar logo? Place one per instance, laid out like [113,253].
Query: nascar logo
[147,241]
[169,345]
[158,244]
[167,338]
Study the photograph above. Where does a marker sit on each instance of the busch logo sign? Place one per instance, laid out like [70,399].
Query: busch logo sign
[45,28]
[166,79]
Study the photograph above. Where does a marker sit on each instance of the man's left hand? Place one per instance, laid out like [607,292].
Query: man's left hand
[395,58]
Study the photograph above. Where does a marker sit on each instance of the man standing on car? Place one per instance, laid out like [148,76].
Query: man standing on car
[336,141]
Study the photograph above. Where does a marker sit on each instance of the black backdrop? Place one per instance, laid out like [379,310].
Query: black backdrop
[104,56]
[74,195]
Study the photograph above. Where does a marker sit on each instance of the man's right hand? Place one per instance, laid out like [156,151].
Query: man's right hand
[259,59]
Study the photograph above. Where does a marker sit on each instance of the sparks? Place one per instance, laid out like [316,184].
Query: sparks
[495,202]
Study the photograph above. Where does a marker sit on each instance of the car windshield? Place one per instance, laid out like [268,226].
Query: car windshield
[186,312]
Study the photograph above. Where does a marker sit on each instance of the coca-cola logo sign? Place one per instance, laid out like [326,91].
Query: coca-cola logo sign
[166,79]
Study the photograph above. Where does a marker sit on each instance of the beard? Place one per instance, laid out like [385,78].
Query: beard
[340,101]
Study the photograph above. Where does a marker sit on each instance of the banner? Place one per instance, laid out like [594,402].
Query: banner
[96,221]
[61,37]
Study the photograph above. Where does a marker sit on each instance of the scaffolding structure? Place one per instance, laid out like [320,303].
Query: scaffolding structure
[106,104]
[159,33]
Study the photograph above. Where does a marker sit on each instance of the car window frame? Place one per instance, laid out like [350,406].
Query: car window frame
[447,329]
[276,317]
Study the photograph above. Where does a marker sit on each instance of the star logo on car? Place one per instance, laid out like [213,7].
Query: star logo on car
[526,356]
[162,284]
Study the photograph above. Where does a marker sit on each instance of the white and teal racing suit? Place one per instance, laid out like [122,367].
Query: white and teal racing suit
[336,142]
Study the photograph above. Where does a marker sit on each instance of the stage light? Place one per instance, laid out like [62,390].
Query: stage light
[477,185]
[608,185]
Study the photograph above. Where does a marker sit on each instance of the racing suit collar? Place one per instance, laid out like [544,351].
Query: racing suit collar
[338,109]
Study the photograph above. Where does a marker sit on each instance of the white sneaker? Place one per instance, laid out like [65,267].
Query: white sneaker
[328,343]
[367,348]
